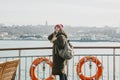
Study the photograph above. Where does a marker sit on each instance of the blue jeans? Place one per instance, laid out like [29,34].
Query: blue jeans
[63,77]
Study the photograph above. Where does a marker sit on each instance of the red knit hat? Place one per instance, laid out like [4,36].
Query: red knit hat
[59,26]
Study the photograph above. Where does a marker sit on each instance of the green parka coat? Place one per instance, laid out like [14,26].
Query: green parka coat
[58,62]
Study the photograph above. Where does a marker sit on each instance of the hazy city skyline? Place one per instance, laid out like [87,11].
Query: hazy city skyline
[67,12]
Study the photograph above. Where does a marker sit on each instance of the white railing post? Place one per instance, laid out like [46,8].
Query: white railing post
[113,63]
[19,65]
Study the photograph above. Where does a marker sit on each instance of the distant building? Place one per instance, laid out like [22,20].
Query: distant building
[2,34]
[46,23]
[118,30]
[5,35]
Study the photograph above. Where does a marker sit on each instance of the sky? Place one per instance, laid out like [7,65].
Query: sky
[67,12]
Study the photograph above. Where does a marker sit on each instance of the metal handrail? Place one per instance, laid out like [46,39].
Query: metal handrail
[75,47]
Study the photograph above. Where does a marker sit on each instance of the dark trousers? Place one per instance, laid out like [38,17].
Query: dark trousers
[63,77]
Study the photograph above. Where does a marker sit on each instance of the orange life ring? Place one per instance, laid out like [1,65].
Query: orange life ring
[35,64]
[98,64]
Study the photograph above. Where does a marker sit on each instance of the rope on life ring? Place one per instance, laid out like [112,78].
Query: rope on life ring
[98,64]
[35,64]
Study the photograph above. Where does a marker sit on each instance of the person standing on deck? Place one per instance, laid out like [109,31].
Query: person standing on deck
[58,39]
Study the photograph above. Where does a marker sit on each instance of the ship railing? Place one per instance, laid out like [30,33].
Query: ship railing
[108,55]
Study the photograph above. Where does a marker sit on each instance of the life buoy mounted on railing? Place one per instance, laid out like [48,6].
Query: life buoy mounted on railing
[35,64]
[98,64]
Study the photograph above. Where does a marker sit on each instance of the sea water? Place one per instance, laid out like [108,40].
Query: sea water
[32,44]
